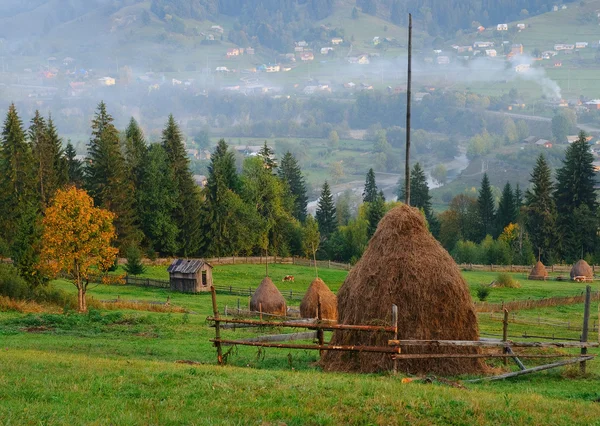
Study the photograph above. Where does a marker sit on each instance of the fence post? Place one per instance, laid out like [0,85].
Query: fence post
[230,290]
[217,326]
[395,325]
[328,264]
[505,334]
[147,282]
[291,294]
[238,303]
[586,320]
[320,332]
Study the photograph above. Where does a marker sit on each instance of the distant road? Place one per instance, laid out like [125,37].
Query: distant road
[585,127]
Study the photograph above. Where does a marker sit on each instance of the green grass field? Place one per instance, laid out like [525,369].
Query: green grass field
[120,368]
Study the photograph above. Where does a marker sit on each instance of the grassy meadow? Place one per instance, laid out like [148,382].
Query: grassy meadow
[121,367]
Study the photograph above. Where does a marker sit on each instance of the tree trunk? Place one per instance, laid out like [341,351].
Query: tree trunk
[81,299]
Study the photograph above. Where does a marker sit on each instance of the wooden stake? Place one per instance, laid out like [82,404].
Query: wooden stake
[320,332]
[505,333]
[395,325]
[217,340]
[408,96]
[586,322]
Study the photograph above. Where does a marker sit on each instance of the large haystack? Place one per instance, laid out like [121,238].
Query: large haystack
[318,289]
[582,269]
[538,272]
[404,265]
[268,299]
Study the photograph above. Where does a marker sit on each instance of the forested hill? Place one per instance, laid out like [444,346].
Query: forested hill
[274,24]
[447,17]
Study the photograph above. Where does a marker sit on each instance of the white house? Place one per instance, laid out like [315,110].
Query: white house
[217,28]
[326,50]
[581,45]
[272,68]
[483,44]
[559,47]
[221,69]
[502,27]
[107,81]
[522,68]
[491,53]
[337,40]
[521,26]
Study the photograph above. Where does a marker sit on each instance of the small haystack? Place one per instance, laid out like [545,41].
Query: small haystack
[318,289]
[582,269]
[404,265]
[268,299]
[538,272]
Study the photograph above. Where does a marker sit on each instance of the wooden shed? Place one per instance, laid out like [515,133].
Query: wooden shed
[190,275]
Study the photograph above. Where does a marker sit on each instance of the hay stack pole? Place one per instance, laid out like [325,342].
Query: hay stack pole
[408,95]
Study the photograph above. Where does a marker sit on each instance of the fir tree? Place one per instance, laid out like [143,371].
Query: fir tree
[540,211]
[485,204]
[106,177]
[370,192]
[290,173]
[326,214]
[518,197]
[375,212]
[188,210]
[17,175]
[575,190]
[507,209]
[46,145]
[74,166]
[419,196]
[268,157]
[134,265]
[135,151]
[157,199]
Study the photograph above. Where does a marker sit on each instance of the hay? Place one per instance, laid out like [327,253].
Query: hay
[538,272]
[582,269]
[404,265]
[268,299]
[318,289]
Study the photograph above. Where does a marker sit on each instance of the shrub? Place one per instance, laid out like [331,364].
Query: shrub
[12,284]
[507,281]
[483,291]
[134,264]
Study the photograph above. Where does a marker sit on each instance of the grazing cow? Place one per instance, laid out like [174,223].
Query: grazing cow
[288,278]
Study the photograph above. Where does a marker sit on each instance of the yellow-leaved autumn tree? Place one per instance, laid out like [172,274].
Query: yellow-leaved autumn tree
[77,239]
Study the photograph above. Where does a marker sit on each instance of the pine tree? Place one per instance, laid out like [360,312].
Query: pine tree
[485,203]
[507,209]
[17,175]
[574,191]
[370,192]
[375,212]
[188,210]
[326,215]
[419,196]
[518,197]
[106,178]
[290,173]
[540,211]
[46,145]
[75,174]
[157,199]
[135,151]
[268,157]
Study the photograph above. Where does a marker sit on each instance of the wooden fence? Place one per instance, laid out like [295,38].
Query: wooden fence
[561,269]
[517,305]
[393,348]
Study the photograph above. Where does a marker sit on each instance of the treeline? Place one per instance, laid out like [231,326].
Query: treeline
[445,18]
[554,219]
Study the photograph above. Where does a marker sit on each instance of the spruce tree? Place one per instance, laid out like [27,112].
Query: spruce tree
[540,211]
[46,145]
[157,199]
[75,173]
[135,151]
[419,196]
[106,178]
[268,157]
[17,175]
[507,209]
[375,212]
[326,214]
[187,213]
[518,197]
[486,207]
[290,173]
[370,192]
[575,198]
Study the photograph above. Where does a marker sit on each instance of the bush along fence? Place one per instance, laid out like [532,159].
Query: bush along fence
[393,348]
[517,305]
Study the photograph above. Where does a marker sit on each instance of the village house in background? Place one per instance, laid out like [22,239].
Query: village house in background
[190,275]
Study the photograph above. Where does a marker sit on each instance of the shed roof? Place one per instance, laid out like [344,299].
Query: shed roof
[187,266]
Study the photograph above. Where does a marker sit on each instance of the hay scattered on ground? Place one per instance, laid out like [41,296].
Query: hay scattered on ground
[318,289]
[404,265]
[538,272]
[268,299]
[582,269]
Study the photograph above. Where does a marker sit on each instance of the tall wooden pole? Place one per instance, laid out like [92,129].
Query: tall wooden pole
[408,95]
[586,322]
